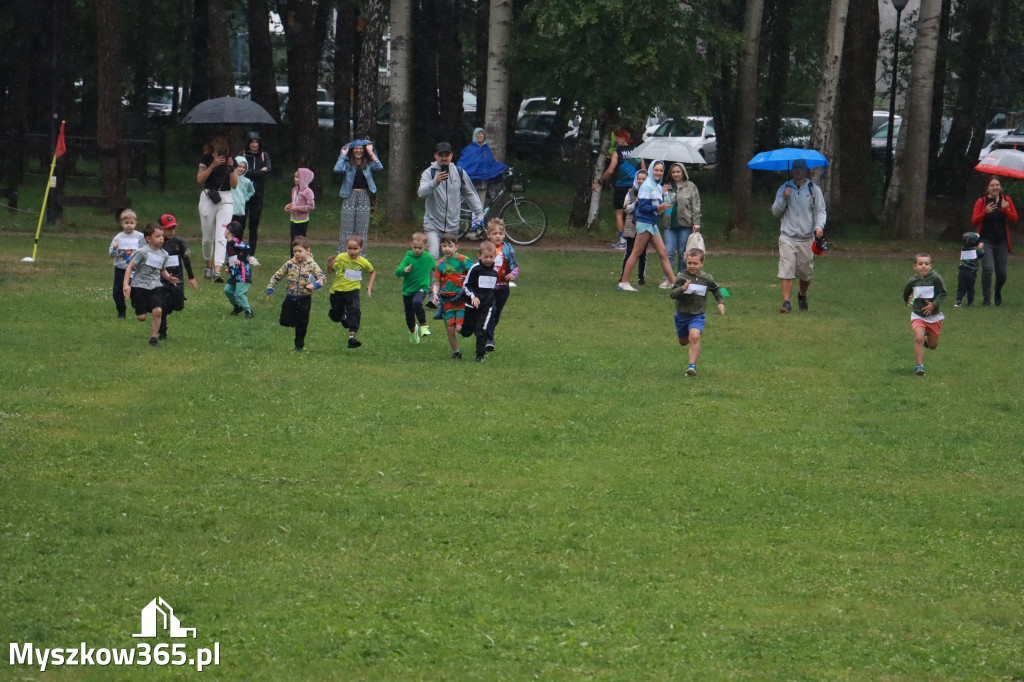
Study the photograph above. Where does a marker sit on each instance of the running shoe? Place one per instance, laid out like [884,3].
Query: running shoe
[786,307]
[665,284]
[691,370]
[414,337]
[802,303]
[919,370]
[626,286]
[424,330]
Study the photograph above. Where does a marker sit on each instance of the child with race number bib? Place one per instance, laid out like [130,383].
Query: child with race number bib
[690,292]
[239,270]
[301,276]
[507,265]
[972,250]
[179,262]
[925,291]
[446,287]
[414,270]
[149,263]
[349,266]
[122,246]
[479,292]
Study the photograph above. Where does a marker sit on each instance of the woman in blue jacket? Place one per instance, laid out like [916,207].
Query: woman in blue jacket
[357,161]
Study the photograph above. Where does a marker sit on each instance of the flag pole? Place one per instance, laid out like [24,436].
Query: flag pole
[57,151]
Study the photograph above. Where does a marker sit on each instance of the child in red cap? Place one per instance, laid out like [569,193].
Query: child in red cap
[178,262]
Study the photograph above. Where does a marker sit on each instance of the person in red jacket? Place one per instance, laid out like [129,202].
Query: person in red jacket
[993,214]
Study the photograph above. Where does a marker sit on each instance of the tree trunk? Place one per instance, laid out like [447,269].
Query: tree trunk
[822,137]
[344,67]
[108,110]
[218,63]
[262,84]
[366,103]
[303,62]
[483,28]
[746,111]
[582,214]
[400,172]
[498,47]
[778,34]
[905,202]
[449,74]
[424,66]
[201,82]
[854,117]
[939,90]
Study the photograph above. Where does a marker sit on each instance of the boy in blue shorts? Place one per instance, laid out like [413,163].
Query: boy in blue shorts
[446,288]
[691,294]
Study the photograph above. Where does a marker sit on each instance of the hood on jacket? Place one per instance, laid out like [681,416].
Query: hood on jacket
[241,159]
[668,173]
[253,136]
[305,177]
[479,130]
[636,178]
[652,187]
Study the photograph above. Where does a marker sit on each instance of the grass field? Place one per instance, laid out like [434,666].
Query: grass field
[804,509]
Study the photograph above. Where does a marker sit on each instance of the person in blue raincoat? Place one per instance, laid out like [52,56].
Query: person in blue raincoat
[357,161]
[478,161]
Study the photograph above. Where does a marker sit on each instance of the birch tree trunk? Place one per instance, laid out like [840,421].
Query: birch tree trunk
[746,111]
[903,216]
[400,189]
[822,137]
[498,44]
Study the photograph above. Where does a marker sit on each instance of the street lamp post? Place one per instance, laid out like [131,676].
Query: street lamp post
[899,6]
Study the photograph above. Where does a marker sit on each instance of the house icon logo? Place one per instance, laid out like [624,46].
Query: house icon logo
[170,621]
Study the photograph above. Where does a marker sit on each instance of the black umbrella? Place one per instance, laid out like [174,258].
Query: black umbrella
[228,110]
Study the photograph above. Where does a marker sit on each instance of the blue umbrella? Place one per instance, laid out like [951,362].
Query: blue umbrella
[782,159]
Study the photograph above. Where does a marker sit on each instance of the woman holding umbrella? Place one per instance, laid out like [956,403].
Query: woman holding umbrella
[357,161]
[993,214]
[215,206]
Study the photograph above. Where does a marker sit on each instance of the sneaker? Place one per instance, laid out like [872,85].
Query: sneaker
[238,309]
[786,307]
[162,336]
[619,245]
[414,337]
[424,330]
[691,370]
[641,283]
[121,316]
[249,315]
[218,279]
[957,304]
[207,273]
[489,347]
[481,358]
[986,303]
[353,342]
[802,303]
[253,261]
[299,349]
[153,341]
[665,284]
[998,298]
[457,355]
[625,286]
[919,370]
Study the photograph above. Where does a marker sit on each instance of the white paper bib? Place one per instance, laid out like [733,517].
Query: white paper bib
[353,274]
[697,289]
[156,260]
[488,282]
[924,292]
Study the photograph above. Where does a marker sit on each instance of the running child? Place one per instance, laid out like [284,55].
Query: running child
[629,228]
[691,294]
[508,272]
[446,288]
[349,266]
[301,276]
[972,250]
[179,261]
[149,263]
[926,292]
[122,246]
[479,292]
[301,204]
[239,270]
[414,271]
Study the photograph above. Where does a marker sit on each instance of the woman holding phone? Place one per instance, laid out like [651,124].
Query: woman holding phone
[216,175]
[993,214]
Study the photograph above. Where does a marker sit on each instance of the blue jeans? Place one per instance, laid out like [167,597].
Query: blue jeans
[675,243]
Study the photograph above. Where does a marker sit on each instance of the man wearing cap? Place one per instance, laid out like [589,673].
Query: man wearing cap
[257,161]
[801,205]
[444,187]
[624,166]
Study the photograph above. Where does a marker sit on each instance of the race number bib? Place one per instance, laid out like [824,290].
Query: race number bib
[156,260]
[924,292]
[129,243]
[697,289]
[969,255]
[232,260]
[173,261]
[353,274]
[488,282]
[499,260]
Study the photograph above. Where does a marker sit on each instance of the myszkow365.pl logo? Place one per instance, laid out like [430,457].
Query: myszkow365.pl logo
[156,615]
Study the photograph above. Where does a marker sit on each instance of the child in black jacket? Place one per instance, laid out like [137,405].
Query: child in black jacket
[479,292]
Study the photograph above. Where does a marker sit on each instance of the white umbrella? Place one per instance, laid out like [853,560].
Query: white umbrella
[669,149]
[1008,162]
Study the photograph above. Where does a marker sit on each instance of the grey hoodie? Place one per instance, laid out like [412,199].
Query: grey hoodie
[446,196]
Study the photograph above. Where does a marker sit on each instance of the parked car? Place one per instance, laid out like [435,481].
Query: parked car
[1011,140]
[879,118]
[325,115]
[161,101]
[878,140]
[992,136]
[535,135]
[538,105]
[698,131]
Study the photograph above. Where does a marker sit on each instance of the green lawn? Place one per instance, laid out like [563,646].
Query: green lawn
[805,509]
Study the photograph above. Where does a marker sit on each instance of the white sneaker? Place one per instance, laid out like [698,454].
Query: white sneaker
[626,286]
[253,261]
[664,284]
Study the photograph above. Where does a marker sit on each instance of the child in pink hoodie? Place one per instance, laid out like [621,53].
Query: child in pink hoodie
[302,203]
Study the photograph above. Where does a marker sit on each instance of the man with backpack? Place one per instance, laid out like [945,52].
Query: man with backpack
[444,186]
[801,205]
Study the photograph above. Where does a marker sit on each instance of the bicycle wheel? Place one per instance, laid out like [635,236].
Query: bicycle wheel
[465,221]
[525,221]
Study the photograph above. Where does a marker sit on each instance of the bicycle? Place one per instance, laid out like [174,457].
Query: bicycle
[525,220]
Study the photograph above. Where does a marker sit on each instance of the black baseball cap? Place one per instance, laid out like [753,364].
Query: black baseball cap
[443,147]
